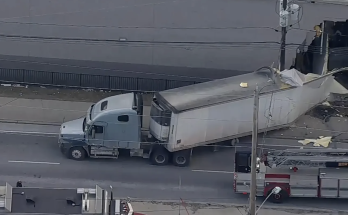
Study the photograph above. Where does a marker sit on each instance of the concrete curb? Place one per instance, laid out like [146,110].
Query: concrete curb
[209,204]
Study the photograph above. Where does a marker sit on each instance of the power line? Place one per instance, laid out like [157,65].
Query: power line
[148,43]
[144,43]
[139,27]
[208,45]
[165,27]
[134,41]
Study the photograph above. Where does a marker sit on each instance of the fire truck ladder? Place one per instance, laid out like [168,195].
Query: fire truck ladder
[306,157]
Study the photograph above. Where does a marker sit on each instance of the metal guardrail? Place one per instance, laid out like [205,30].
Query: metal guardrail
[103,82]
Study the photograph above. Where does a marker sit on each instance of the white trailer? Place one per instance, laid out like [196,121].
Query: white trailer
[187,117]
[320,173]
[222,110]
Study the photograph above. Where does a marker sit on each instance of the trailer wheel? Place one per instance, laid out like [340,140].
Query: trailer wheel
[159,156]
[279,198]
[182,158]
[77,153]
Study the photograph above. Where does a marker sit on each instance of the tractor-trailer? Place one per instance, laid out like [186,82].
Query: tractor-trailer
[188,117]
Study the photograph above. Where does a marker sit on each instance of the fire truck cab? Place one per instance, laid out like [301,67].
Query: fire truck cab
[320,173]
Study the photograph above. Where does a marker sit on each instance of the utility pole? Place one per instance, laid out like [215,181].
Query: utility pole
[284,19]
[112,203]
[252,201]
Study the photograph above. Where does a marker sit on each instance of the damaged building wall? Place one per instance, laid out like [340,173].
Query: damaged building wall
[338,49]
[325,49]
[311,54]
[338,44]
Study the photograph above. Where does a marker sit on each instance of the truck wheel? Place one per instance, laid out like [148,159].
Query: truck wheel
[280,197]
[77,153]
[182,158]
[159,156]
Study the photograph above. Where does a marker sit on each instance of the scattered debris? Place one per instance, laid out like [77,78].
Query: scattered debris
[18,85]
[244,85]
[326,104]
[324,111]
[88,90]
[292,77]
[320,142]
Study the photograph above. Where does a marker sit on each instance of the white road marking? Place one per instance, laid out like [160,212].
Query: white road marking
[34,162]
[211,171]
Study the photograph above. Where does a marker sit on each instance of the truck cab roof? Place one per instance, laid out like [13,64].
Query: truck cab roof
[118,102]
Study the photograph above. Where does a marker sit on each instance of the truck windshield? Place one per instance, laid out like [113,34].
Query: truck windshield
[84,124]
[159,115]
[90,112]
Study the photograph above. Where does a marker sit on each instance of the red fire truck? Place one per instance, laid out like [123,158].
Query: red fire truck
[298,172]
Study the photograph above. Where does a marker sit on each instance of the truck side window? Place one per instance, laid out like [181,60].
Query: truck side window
[98,129]
[104,105]
[123,118]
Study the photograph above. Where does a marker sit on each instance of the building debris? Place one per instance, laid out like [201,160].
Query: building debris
[244,85]
[320,142]
[292,77]
[326,104]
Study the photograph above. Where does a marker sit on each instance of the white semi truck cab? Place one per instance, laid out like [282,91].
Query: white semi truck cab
[115,123]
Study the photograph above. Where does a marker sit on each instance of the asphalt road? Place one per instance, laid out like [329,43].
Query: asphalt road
[37,161]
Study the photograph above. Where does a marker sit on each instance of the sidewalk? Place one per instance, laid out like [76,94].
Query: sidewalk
[156,208]
[45,130]
[50,106]
[40,111]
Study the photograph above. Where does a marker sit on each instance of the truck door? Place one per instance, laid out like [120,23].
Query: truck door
[242,162]
[126,131]
[96,134]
